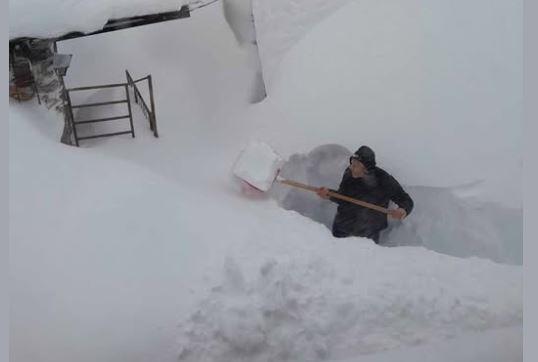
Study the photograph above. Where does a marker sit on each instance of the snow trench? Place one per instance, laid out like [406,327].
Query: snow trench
[294,293]
[443,220]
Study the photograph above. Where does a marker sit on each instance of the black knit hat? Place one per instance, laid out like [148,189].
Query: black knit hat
[366,156]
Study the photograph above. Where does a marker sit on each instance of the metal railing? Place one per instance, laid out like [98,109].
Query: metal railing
[74,122]
[149,112]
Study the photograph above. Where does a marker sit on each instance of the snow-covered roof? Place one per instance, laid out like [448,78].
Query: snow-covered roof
[53,18]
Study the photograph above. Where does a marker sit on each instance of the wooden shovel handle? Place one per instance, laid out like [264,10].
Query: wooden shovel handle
[359,202]
[299,185]
[335,195]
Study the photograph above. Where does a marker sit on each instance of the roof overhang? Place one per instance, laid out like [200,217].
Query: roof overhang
[125,23]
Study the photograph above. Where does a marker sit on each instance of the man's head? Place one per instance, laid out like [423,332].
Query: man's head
[362,161]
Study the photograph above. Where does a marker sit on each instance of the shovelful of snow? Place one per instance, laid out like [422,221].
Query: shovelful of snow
[258,165]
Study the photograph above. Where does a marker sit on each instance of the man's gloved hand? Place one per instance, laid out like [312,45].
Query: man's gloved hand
[323,192]
[398,214]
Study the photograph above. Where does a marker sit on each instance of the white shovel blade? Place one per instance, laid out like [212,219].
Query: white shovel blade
[258,164]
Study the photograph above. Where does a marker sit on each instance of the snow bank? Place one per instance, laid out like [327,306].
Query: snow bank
[313,300]
[48,19]
[105,255]
[434,90]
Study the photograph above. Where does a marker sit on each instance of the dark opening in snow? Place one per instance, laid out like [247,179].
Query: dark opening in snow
[441,220]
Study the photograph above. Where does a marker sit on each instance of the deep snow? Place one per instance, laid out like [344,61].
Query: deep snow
[259,284]
[434,89]
[116,243]
[444,219]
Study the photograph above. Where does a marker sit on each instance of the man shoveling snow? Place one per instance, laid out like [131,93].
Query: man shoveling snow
[363,180]
[363,196]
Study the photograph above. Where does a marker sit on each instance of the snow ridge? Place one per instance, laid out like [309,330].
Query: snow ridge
[318,307]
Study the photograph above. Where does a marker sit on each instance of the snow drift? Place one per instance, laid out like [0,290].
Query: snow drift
[295,18]
[434,90]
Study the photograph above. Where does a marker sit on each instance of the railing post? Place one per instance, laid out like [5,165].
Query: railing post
[153,118]
[71,116]
[130,81]
[129,106]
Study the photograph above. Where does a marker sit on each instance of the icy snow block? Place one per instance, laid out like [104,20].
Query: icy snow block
[258,164]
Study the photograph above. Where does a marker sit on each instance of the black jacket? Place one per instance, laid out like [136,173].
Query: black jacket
[377,187]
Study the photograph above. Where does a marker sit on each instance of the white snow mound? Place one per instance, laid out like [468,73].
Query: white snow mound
[347,299]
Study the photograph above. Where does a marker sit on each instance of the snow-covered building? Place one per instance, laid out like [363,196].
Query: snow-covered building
[35,69]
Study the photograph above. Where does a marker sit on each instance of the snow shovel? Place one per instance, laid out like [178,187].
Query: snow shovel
[258,165]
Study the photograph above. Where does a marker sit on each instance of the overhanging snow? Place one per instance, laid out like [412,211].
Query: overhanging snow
[50,19]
